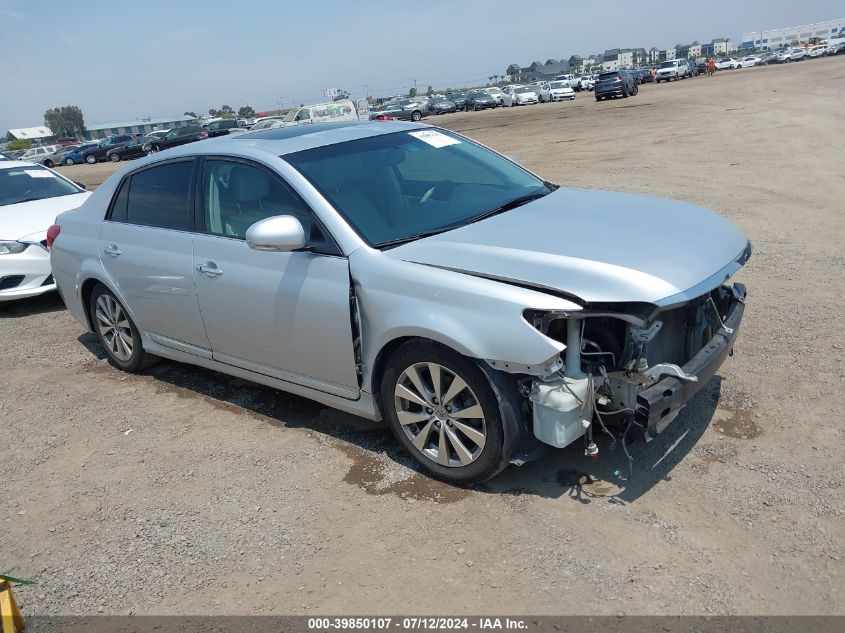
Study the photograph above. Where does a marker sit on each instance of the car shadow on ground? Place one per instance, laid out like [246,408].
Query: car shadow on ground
[48,302]
[564,473]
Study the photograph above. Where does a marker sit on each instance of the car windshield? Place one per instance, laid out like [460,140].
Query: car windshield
[401,186]
[559,84]
[290,116]
[22,184]
[667,64]
[494,90]
[523,89]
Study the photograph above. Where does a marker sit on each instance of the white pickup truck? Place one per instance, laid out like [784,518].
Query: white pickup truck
[574,82]
[671,69]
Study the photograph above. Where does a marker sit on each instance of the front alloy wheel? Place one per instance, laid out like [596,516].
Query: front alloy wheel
[440,414]
[90,159]
[443,408]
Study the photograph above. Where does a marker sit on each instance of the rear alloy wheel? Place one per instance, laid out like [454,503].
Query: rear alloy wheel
[115,158]
[416,115]
[48,163]
[69,161]
[90,159]
[636,90]
[442,409]
[152,150]
[116,332]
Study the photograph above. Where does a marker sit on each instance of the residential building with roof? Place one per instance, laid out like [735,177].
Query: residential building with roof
[138,126]
[38,134]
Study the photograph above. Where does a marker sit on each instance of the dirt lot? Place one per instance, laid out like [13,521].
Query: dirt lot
[184,491]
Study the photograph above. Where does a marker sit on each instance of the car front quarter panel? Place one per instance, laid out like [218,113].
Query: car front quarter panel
[479,318]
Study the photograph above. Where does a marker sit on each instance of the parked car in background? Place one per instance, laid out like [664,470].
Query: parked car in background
[459,99]
[693,68]
[556,91]
[671,69]
[749,61]
[836,46]
[4,156]
[267,122]
[817,51]
[796,55]
[573,81]
[479,100]
[31,196]
[702,67]
[97,152]
[615,83]
[133,149]
[51,160]
[728,63]
[410,112]
[441,105]
[587,82]
[174,138]
[76,156]
[519,95]
[504,310]
[496,93]
[220,127]
[38,154]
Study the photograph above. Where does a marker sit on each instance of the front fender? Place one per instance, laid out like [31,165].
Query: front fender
[479,318]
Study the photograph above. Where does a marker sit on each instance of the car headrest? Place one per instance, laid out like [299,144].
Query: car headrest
[247,184]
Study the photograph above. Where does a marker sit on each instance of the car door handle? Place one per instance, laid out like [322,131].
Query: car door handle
[112,250]
[209,269]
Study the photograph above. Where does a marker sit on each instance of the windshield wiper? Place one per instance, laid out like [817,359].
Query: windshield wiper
[507,206]
[413,238]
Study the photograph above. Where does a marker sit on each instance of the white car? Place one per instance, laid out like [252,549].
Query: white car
[31,196]
[817,51]
[750,61]
[556,91]
[518,95]
[588,82]
[38,154]
[671,69]
[496,93]
[728,63]
[796,55]
[573,81]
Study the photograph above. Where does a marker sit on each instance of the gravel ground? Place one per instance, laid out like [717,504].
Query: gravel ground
[184,491]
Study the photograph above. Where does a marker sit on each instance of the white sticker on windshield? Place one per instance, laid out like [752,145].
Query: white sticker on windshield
[434,138]
[38,173]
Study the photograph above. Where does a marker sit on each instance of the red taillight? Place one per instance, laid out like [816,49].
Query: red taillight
[52,234]
[384,117]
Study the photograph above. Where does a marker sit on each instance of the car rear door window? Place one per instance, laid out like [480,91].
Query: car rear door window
[160,196]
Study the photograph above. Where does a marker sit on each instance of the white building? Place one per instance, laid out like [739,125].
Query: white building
[786,36]
[670,53]
[695,50]
[29,133]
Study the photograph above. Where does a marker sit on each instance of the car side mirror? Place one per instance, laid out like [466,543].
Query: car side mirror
[280,233]
[80,185]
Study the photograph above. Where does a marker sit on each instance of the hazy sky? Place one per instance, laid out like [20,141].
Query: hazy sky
[122,60]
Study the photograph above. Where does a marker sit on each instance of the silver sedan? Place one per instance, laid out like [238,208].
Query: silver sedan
[403,272]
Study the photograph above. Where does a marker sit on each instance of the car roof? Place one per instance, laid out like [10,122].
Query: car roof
[286,140]
[11,164]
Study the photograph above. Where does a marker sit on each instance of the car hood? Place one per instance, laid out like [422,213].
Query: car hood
[598,246]
[30,220]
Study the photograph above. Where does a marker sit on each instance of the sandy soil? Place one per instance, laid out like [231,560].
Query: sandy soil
[185,491]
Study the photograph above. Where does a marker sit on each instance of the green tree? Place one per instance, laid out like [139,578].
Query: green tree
[65,121]
[212,112]
[430,91]
[19,143]
[246,112]
[191,114]
[412,92]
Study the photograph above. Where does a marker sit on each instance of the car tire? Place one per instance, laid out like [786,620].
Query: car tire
[90,159]
[115,158]
[624,92]
[462,451]
[636,90]
[416,115]
[69,161]
[48,163]
[117,332]
[152,150]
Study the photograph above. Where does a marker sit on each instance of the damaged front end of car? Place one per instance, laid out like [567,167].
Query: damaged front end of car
[630,368]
